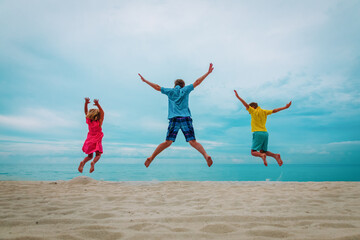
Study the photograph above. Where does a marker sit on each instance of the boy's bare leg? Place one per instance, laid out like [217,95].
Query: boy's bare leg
[158,150]
[97,157]
[82,163]
[259,154]
[276,156]
[201,149]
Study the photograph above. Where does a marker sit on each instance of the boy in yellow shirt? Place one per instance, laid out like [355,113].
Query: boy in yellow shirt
[260,134]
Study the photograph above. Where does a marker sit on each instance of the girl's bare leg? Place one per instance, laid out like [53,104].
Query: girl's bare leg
[96,158]
[201,149]
[158,150]
[259,154]
[82,163]
[276,156]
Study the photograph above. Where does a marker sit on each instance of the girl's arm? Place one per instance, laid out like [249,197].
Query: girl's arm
[153,85]
[241,100]
[200,79]
[96,103]
[87,101]
[282,108]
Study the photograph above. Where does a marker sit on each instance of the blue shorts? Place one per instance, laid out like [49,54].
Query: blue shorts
[260,141]
[183,123]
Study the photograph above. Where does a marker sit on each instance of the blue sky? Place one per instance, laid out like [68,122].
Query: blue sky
[55,53]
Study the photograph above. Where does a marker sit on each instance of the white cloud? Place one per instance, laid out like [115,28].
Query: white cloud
[324,148]
[345,143]
[237,160]
[37,119]
[33,147]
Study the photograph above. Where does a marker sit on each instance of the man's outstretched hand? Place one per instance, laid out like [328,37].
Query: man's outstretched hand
[236,93]
[142,78]
[211,68]
[288,105]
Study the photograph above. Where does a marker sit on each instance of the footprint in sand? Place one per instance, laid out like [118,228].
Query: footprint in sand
[218,228]
[146,227]
[100,234]
[103,215]
[268,233]
[336,225]
[351,237]
[179,229]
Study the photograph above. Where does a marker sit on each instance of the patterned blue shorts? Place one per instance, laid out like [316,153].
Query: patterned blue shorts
[183,123]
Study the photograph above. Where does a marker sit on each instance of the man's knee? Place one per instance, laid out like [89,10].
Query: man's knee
[192,142]
[168,143]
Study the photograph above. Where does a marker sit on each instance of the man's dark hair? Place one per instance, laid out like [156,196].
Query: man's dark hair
[254,105]
[179,82]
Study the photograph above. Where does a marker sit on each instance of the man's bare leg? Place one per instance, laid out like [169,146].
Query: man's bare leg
[259,154]
[82,163]
[97,157]
[276,156]
[201,149]
[158,150]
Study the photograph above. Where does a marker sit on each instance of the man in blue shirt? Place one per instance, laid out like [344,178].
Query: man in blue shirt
[179,115]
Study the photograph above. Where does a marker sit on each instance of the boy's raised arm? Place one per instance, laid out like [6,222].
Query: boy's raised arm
[241,100]
[153,85]
[282,108]
[200,79]
[87,101]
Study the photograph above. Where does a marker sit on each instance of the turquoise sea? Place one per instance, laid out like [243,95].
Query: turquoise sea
[182,172]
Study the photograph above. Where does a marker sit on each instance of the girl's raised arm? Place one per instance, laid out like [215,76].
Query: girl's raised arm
[96,103]
[87,101]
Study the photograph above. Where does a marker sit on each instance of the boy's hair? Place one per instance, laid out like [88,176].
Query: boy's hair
[254,105]
[93,114]
[179,82]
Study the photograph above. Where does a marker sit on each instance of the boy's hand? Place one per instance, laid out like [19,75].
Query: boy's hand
[236,93]
[87,100]
[211,68]
[96,102]
[288,105]
[143,79]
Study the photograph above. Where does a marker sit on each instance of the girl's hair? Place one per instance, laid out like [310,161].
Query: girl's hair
[93,114]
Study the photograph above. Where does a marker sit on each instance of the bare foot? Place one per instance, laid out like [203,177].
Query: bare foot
[92,168]
[263,156]
[209,161]
[81,166]
[278,159]
[147,162]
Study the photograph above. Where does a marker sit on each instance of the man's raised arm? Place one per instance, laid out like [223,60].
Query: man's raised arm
[282,108]
[200,79]
[241,100]
[153,85]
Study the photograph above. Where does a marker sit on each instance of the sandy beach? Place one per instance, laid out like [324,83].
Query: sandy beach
[83,208]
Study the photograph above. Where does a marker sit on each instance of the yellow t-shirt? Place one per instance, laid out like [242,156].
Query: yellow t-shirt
[258,118]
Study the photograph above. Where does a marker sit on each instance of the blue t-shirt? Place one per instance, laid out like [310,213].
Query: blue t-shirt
[178,100]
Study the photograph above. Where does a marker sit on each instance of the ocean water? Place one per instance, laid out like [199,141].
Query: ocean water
[182,172]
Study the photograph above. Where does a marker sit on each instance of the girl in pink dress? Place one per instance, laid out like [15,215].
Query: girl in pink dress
[94,118]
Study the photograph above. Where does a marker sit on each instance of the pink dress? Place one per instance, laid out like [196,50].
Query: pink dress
[94,138]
